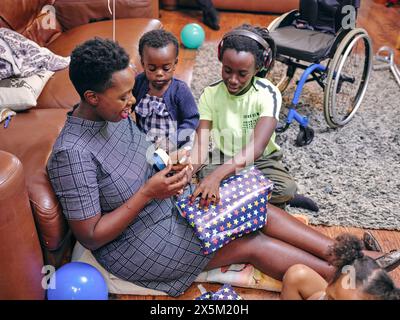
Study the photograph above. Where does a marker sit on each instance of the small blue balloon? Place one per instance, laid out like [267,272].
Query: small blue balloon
[192,36]
[77,281]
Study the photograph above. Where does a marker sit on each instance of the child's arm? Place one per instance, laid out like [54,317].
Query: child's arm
[269,106]
[254,149]
[199,152]
[209,186]
[187,113]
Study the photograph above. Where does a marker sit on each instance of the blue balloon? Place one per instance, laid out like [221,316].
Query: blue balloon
[77,281]
[192,36]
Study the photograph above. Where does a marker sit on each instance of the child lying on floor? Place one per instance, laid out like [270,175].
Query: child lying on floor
[357,277]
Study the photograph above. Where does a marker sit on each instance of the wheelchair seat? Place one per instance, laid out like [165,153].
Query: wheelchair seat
[308,45]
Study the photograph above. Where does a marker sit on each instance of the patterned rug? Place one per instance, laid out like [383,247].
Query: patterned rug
[353,172]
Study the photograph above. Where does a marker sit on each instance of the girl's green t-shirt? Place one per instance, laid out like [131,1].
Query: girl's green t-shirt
[234,117]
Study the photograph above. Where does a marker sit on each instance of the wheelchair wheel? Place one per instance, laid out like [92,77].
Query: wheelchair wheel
[348,76]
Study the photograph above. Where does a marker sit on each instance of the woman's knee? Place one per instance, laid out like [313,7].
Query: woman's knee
[252,247]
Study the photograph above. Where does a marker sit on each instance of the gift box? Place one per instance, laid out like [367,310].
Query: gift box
[226,292]
[241,210]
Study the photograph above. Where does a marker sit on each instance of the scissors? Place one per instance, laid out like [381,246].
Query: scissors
[386,55]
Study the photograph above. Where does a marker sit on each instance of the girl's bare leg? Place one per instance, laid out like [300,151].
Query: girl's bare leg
[269,255]
[301,282]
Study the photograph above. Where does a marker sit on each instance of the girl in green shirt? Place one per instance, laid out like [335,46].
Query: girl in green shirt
[241,112]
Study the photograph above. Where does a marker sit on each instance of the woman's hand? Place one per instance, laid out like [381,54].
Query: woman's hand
[160,186]
[208,188]
[180,159]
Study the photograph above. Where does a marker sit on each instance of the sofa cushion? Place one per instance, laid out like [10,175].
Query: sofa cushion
[59,91]
[72,14]
[34,19]
[30,137]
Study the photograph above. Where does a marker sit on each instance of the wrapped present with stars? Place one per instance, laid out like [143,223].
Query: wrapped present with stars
[241,210]
[226,292]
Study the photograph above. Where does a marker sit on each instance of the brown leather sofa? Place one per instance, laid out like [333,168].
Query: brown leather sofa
[271,6]
[33,231]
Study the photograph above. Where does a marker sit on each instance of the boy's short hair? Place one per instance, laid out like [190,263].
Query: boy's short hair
[157,39]
[93,64]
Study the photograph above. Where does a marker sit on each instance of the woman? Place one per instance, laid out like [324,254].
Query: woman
[119,208]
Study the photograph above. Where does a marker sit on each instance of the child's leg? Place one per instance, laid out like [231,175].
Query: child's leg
[284,185]
[269,255]
[301,282]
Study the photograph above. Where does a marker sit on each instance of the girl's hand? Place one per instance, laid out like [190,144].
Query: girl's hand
[160,186]
[208,188]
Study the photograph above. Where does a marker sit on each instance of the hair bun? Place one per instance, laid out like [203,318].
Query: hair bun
[346,250]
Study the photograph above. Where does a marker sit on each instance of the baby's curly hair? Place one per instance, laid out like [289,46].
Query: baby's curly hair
[347,251]
[157,39]
[93,64]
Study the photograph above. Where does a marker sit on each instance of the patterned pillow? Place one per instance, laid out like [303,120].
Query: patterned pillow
[21,93]
[21,57]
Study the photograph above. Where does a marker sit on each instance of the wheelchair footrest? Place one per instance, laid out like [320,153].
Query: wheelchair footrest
[305,136]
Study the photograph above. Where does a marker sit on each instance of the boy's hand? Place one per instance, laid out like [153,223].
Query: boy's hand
[208,190]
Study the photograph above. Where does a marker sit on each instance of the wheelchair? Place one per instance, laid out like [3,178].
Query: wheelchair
[339,59]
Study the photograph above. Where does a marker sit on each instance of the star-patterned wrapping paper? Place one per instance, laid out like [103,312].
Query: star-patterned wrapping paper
[241,210]
[226,292]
